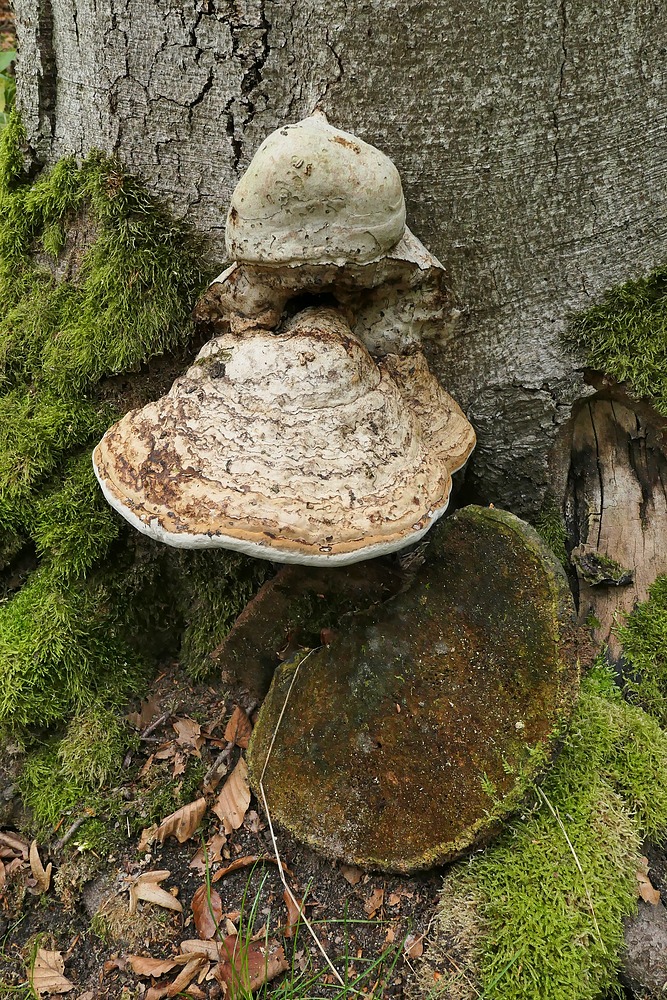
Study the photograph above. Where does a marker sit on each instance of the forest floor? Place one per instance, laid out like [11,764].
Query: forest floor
[77,936]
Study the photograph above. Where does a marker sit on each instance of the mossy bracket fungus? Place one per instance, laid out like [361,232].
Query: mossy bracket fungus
[286,439]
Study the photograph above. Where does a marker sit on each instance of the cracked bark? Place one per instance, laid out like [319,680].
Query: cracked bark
[528,135]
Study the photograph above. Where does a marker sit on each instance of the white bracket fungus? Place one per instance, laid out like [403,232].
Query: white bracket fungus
[303,432]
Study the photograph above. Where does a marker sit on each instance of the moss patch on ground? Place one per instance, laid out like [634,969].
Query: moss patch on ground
[644,640]
[625,336]
[539,915]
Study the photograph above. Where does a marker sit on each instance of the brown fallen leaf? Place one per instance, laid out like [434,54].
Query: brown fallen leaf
[247,965]
[196,947]
[239,728]
[351,873]
[207,911]
[147,712]
[148,836]
[394,899]
[646,890]
[46,975]
[374,903]
[390,936]
[144,966]
[294,914]
[179,765]
[232,803]
[188,734]
[249,859]
[41,876]
[3,877]
[413,946]
[14,845]
[182,823]
[146,886]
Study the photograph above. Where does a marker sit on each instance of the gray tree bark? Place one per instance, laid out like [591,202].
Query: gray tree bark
[530,136]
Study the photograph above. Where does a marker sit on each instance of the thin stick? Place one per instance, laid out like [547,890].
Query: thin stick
[555,815]
[59,844]
[154,725]
[296,902]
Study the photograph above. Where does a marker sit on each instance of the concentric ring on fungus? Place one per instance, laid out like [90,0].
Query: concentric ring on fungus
[292,446]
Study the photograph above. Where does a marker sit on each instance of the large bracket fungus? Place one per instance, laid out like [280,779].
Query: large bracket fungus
[310,429]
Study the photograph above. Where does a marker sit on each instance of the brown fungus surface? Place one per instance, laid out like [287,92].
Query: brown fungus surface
[294,446]
[411,736]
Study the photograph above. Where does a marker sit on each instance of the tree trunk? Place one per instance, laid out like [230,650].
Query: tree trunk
[528,135]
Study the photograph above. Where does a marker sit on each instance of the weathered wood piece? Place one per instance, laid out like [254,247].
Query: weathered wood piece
[617,507]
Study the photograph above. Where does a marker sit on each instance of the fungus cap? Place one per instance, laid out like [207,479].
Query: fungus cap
[294,447]
[315,194]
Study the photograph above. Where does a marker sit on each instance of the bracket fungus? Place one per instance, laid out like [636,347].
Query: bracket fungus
[309,430]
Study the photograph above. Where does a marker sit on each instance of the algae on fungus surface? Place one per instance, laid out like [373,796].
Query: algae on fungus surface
[526,920]
[95,280]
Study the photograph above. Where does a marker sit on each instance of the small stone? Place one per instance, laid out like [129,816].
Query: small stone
[398,791]
[645,958]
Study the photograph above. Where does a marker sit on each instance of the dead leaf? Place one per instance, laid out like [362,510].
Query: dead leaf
[239,728]
[147,712]
[47,976]
[188,734]
[374,903]
[179,765]
[294,914]
[184,978]
[249,859]
[148,836]
[413,945]
[207,911]
[14,844]
[182,823]
[351,873]
[232,803]
[41,876]
[208,948]
[394,899]
[247,965]
[142,966]
[646,890]
[252,822]
[146,886]
[390,936]
[3,877]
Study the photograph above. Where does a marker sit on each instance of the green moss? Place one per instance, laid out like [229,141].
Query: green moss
[218,585]
[91,752]
[644,641]
[44,792]
[550,525]
[548,913]
[625,336]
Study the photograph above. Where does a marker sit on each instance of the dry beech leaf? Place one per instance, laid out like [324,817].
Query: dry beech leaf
[147,887]
[294,914]
[147,712]
[247,965]
[249,859]
[148,836]
[239,728]
[179,765]
[188,734]
[41,876]
[142,966]
[14,844]
[207,911]
[413,946]
[47,973]
[646,890]
[196,947]
[185,977]
[232,803]
[182,823]
[373,903]
[351,873]
[390,936]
